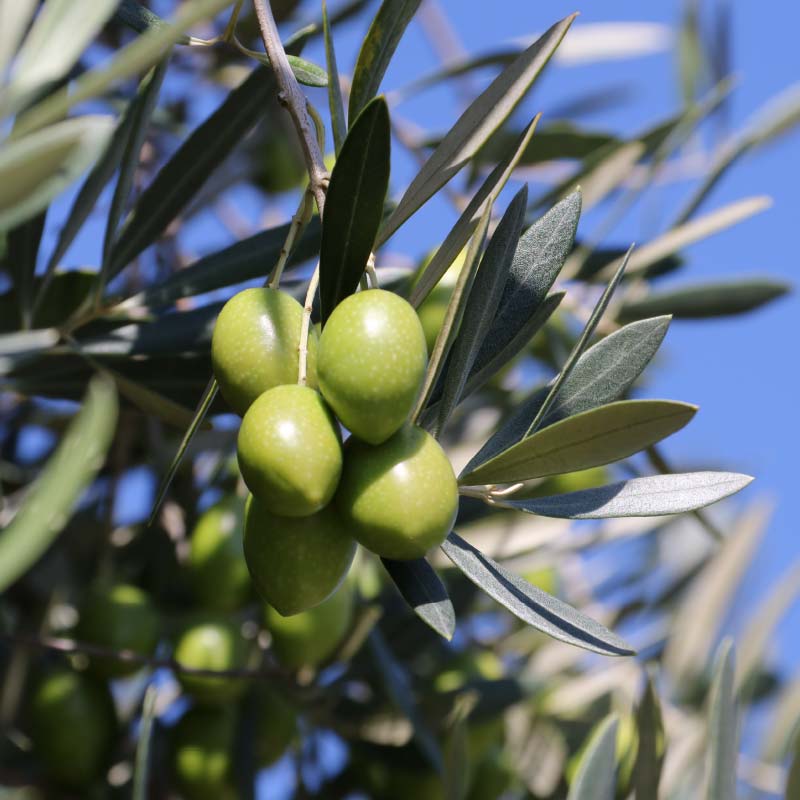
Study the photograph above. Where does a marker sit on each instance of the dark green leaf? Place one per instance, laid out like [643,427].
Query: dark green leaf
[599,258]
[199,415]
[398,686]
[462,230]
[421,588]
[604,373]
[723,724]
[482,304]
[638,497]
[540,254]
[68,471]
[141,19]
[650,750]
[705,299]
[489,110]
[377,49]
[22,249]
[595,778]
[354,205]
[793,778]
[243,261]
[533,606]
[335,102]
[595,437]
[182,176]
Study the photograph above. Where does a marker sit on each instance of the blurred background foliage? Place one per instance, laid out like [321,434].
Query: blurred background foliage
[144,176]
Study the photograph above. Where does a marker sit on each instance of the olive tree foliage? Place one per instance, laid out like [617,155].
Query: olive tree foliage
[499,665]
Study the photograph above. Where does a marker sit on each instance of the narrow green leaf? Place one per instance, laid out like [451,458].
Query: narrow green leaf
[457,766]
[723,728]
[122,147]
[36,168]
[14,20]
[489,110]
[595,778]
[705,299]
[651,745]
[610,173]
[22,250]
[140,54]
[141,19]
[141,767]
[21,346]
[377,49]
[61,32]
[530,604]
[784,723]
[639,497]
[700,615]
[462,230]
[304,71]
[141,110]
[199,415]
[793,777]
[422,589]
[335,102]
[397,682]
[180,178]
[540,254]
[690,51]
[453,315]
[242,261]
[604,373]
[482,304]
[354,205]
[72,467]
[599,436]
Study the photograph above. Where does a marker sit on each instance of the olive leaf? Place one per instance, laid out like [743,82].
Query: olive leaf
[650,751]
[723,724]
[595,777]
[354,206]
[141,19]
[335,102]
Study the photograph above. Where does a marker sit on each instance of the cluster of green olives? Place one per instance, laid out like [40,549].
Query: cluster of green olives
[390,487]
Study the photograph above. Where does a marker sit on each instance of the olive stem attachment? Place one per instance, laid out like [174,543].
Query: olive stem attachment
[370,270]
[298,223]
[302,362]
[295,102]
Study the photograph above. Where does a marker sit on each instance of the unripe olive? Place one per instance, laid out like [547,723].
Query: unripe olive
[217,568]
[290,451]
[372,359]
[256,343]
[296,562]
[72,724]
[120,617]
[398,498]
[309,638]
[211,646]
[202,747]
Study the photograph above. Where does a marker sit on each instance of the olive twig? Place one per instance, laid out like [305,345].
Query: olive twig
[370,270]
[299,221]
[304,327]
[232,20]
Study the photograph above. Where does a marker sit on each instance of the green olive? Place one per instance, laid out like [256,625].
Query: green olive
[217,568]
[120,617]
[72,725]
[399,498]
[211,646]
[290,451]
[276,727]
[256,343]
[296,562]
[202,747]
[311,637]
[372,359]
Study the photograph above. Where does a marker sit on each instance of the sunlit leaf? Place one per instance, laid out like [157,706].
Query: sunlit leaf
[14,19]
[723,728]
[595,778]
[533,606]
[72,467]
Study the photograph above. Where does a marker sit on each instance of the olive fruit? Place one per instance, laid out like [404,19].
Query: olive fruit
[398,498]
[276,727]
[256,343]
[202,746]
[72,725]
[311,637]
[290,451]
[371,363]
[214,646]
[296,562]
[120,617]
[217,569]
